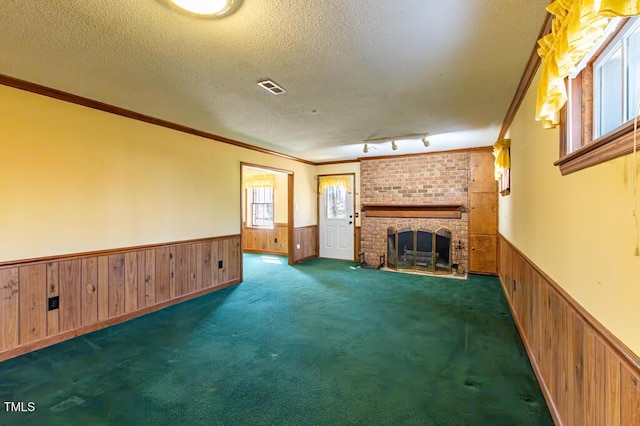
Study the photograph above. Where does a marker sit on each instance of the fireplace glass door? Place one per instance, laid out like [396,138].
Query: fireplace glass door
[392,253]
[420,250]
[424,250]
[443,251]
[406,251]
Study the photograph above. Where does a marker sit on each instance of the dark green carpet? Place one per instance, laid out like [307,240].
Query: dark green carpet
[315,344]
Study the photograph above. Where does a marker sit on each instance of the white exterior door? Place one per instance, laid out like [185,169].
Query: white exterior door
[336,222]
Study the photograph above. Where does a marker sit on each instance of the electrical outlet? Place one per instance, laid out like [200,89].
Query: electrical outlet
[219,264]
[514,285]
[275,240]
[54,303]
[297,246]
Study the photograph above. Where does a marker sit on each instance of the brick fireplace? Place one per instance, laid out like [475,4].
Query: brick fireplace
[405,192]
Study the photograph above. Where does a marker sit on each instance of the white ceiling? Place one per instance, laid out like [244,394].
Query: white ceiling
[353,69]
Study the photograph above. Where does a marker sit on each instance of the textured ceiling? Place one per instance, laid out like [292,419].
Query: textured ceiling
[353,69]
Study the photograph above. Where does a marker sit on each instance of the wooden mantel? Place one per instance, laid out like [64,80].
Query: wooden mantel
[438,211]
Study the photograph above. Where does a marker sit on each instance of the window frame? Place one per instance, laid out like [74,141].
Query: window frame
[251,204]
[578,149]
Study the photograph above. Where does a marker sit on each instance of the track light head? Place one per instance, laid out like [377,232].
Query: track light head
[394,145]
[366,148]
[426,142]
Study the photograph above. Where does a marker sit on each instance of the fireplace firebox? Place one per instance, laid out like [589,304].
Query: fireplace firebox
[420,250]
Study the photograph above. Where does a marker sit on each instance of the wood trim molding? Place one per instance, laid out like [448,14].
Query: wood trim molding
[265,168]
[250,250]
[290,219]
[612,145]
[622,351]
[90,103]
[448,211]
[525,81]
[71,256]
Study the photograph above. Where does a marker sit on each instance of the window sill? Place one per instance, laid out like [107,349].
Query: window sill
[612,145]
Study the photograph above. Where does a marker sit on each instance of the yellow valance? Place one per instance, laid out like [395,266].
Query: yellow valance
[259,181]
[576,27]
[343,181]
[501,153]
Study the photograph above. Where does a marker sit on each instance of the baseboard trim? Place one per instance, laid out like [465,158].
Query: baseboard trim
[60,337]
[279,253]
[304,259]
[553,409]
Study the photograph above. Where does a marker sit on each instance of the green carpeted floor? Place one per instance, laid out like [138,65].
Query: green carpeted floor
[316,344]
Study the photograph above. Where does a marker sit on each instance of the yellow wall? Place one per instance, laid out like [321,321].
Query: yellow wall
[346,168]
[578,228]
[74,179]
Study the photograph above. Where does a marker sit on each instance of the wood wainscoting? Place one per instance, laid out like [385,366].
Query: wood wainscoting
[307,238]
[586,374]
[266,240]
[99,289]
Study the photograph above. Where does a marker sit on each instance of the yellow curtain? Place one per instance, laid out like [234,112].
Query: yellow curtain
[576,27]
[501,152]
[259,181]
[325,181]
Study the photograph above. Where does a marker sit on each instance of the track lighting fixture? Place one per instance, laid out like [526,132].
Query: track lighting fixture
[394,145]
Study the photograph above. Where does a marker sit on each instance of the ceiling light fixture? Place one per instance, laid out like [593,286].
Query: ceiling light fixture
[367,147]
[394,145]
[208,8]
[426,142]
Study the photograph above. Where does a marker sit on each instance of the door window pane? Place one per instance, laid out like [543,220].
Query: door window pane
[336,202]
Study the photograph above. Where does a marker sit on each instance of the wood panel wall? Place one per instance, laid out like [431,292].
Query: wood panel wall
[307,238]
[587,375]
[264,240]
[100,289]
[483,214]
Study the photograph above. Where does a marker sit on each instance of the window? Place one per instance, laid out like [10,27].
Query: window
[616,74]
[261,202]
[336,196]
[597,121]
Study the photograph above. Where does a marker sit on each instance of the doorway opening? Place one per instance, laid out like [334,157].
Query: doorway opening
[266,210]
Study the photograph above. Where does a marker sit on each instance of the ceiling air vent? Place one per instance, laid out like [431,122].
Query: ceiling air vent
[272,87]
